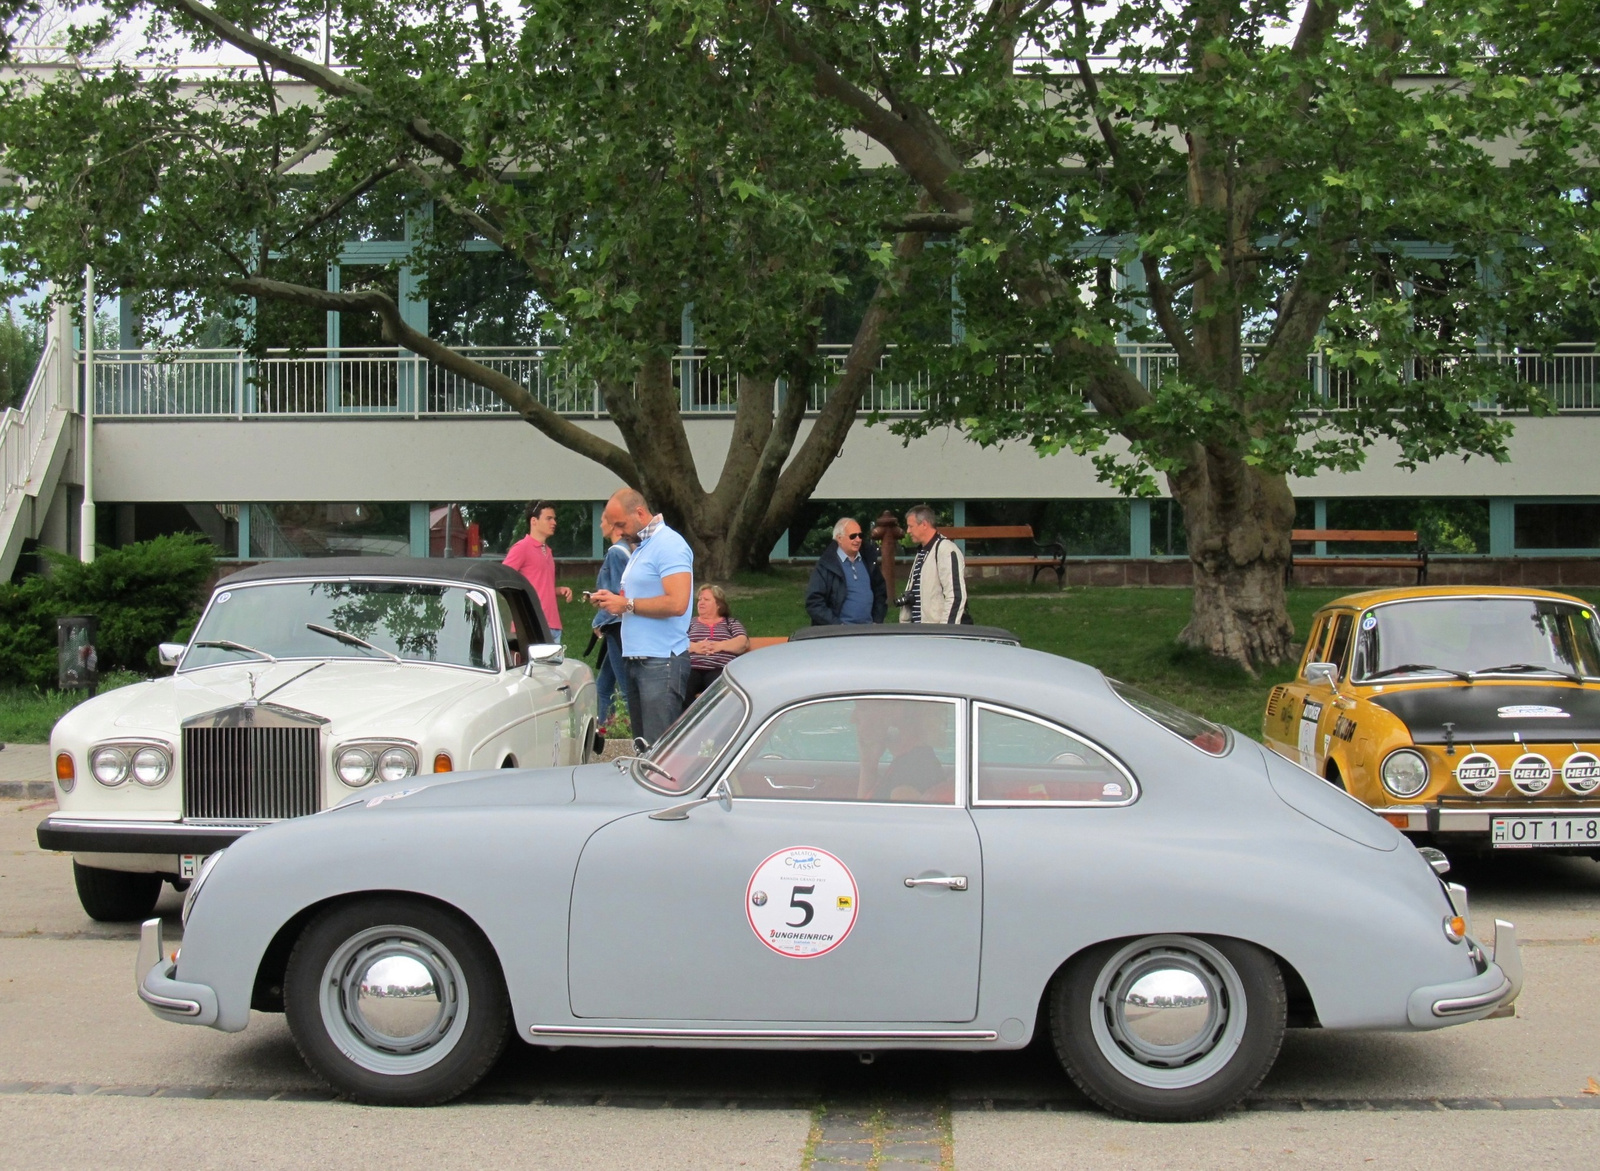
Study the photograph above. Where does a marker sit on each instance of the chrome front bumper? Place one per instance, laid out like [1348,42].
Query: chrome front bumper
[1458,819]
[169,999]
[87,836]
[1490,994]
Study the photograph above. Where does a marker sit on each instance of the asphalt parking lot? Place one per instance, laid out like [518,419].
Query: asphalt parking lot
[87,1074]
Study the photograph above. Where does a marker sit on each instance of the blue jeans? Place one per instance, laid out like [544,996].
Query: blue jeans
[656,690]
[613,671]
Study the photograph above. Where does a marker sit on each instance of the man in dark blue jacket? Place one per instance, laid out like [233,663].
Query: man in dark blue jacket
[846,587]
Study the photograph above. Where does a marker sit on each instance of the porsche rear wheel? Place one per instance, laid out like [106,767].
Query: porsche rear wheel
[396,1002]
[1169,1028]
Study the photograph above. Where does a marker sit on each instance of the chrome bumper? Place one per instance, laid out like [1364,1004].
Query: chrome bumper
[1455,819]
[169,999]
[1491,994]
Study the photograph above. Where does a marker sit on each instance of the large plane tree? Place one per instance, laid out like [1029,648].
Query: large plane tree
[1395,185]
[626,162]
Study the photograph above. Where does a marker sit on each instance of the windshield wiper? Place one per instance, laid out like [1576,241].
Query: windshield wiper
[622,762]
[1412,668]
[1512,668]
[352,639]
[227,644]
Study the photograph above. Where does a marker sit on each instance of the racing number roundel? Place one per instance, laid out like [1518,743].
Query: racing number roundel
[801,902]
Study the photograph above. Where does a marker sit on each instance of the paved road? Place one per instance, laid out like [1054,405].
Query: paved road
[87,1074]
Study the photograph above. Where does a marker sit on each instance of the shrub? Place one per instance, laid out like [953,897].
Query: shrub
[143,594]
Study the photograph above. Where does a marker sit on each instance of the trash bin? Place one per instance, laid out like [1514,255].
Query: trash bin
[77,660]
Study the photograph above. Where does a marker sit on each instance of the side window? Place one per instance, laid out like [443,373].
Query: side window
[1339,644]
[508,624]
[1022,760]
[1319,633]
[865,749]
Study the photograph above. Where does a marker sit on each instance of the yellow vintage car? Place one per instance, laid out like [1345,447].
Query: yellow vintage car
[1467,716]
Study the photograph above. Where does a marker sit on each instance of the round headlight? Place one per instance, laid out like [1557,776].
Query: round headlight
[355,766]
[109,765]
[151,766]
[396,764]
[1477,773]
[1531,774]
[1405,772]
[1581,773]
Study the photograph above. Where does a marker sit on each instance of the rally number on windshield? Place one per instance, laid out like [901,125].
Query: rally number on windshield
[801,902]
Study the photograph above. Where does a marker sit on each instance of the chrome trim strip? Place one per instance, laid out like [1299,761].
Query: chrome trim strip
[1460,1004]
[649,1033]
[157,828]
[167,1004]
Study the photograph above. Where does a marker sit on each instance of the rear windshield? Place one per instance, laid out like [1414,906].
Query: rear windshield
[1209,738]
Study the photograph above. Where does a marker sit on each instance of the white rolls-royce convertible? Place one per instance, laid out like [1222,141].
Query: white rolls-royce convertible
[302,683]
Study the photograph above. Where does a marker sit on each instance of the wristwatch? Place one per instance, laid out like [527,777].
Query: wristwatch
[628,606]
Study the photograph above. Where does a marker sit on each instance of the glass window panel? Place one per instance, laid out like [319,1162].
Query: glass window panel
[1021,759]
[330,530]
[1339,644]
[855,750]
[1558,526]
[433,624]
[695,740]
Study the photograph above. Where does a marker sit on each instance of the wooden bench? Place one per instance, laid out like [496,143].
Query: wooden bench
[1051,555]
[1418,559]
[767,640]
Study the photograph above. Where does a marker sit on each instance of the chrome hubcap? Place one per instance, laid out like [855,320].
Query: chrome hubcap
[1165,1011]
[1169,1011]
[394,999]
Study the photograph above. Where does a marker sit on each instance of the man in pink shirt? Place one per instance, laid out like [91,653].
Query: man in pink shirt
[532,558]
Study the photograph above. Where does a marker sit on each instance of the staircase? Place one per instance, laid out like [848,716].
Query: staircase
[35,442]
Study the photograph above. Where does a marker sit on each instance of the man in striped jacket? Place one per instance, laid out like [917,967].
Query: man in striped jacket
[936,591]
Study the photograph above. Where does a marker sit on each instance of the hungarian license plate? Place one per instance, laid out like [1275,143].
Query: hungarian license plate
[1528,833]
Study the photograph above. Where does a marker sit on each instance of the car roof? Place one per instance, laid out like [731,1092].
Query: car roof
[1408,593]
[467,570]
[914,663]
[903,630]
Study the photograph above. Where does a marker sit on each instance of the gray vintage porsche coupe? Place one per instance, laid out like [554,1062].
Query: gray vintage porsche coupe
[855,843]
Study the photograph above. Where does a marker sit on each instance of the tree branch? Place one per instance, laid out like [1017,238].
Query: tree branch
[929,221]
[344,201]
[397,332]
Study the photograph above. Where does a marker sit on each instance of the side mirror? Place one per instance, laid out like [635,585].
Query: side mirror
[171,652]
[720,793]
[552,653]
[1323,673]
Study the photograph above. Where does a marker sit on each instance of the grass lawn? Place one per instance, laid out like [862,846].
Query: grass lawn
[1129,633]
[27,714]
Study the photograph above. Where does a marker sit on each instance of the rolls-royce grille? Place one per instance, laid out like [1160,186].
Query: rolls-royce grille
[250,773]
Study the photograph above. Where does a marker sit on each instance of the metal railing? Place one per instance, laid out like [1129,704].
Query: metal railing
[388,382]
[23,429]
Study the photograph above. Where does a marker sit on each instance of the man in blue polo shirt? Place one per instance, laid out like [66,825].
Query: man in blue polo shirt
[654,603]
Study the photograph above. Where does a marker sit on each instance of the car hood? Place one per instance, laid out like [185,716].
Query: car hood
[399,695]
[1497,713]
[489,787]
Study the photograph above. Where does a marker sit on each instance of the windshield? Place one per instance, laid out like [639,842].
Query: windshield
[1512,636]
[693,743]
[1212,739]
[425,623]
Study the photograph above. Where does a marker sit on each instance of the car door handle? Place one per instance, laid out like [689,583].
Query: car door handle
[954,882]
[567,687]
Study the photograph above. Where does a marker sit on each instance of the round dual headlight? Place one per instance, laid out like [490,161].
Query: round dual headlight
[109,766]
[356,766]
[1404,772]
[396,764]
[151,766]
[360,764]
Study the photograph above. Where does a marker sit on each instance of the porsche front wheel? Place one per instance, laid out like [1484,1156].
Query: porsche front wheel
[1169,1028]
[396,1002]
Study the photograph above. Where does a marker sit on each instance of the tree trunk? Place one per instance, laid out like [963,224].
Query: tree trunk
[1238,522]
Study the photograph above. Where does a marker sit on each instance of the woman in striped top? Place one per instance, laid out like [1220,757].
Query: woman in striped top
[715,637]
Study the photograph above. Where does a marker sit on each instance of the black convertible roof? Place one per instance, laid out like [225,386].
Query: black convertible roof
[468,570]
[923,629]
